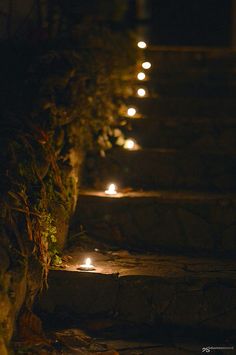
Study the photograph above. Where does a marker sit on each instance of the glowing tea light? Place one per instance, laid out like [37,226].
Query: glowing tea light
[146,65]
[141,76]
[141,92]
[111,190]
[129,144]
[87,266]
[142,44]
[131,111]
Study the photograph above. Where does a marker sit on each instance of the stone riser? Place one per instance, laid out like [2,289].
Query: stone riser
[200,136]
[187,72]
[177,58]
[185,107]
[165,223]
[195,78]
[153,169]
[193,88]
[194,302]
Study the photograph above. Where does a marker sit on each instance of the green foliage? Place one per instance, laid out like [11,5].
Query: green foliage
[48,237]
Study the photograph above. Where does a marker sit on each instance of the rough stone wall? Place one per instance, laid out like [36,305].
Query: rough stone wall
[12,295]
[20,270]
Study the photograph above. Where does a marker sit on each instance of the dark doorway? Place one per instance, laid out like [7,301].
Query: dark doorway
[191,22]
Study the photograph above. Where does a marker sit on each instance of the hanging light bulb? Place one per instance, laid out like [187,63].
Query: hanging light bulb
[146,65]
[142,44]
[141,92]
[141,76]
[131,111]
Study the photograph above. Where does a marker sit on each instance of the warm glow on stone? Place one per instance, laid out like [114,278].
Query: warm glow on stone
[142,44]
[111,190]
[141,76]
[131,111]
[146,65]
[141,92]
[87,266]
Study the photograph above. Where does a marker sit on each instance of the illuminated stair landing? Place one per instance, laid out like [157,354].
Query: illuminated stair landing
[149,289]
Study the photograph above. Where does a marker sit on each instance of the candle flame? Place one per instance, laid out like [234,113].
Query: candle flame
[142,44]
[88,262]
[141,92]
[141,76]
[146,65]
[111,190]
[131,111]
[129,144]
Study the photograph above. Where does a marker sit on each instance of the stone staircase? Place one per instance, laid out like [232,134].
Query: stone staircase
[164,246]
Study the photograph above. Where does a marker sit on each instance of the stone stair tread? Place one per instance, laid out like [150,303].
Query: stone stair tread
[217,107]
[124,263]
[191,135]
[146,118]
[164,195]
[224,51]
[178,87]
[169,151]
[197,101]
[127,347]
[174,121]
[150,289]
[189,54]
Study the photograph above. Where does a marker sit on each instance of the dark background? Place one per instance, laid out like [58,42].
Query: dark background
[190,22]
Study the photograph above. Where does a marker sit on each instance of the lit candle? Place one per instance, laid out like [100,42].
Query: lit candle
[142,44]
[146,65]
[111,190]
[131,111]
[129,144]
[87,266]
[141,92]
[141,76]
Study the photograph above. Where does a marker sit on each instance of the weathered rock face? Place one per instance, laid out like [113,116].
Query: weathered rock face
[21,276]
[3,349]
[13,276]
[21,273]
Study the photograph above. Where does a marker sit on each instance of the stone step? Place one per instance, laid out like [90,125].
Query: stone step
[214,73]
[146,289]
[164,169]
[195,135]
[161,220]
[184,106]
[180,57]
[192,76]
[187,87]
[180,346]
